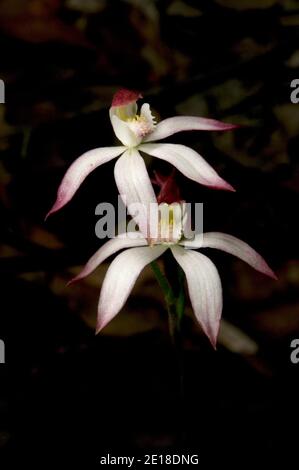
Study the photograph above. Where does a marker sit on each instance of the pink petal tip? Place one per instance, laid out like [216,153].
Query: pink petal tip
[82,274]
[268,272]
[48,215]
[229,127]
[224,185]
[72,281]
[265,269]
[57,205]
[99,327]
[124,97]
[212,337]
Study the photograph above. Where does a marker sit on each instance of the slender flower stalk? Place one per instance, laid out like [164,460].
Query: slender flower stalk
[203,280]
[138,132]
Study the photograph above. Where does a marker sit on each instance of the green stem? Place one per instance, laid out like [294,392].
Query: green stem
[175,308]
[181,300]
[175,304]
[163,282]
[170,299]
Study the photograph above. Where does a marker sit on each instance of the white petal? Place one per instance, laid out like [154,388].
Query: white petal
[79,170]
[120,279]
[145,112]
[120,242]
[186,123]
[189,162]
[135,188]
[124,133]
[171,221]
[204,287]
[232,245]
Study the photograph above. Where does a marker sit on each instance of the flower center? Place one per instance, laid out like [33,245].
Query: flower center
[171,222]
[140,126]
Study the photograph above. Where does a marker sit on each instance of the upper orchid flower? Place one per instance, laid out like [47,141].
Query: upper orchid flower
[138,132]
[203,280]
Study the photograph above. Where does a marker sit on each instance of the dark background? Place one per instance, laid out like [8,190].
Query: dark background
[66,394]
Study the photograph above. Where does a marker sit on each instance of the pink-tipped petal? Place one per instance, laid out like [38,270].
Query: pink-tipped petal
[135,188]
[79,170]
[120,279]
[189,162]
[123,97]
[128,240]
[205,291]
[234,246]
[176,124]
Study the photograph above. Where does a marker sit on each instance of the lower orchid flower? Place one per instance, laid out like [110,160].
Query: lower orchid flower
[204,284]
[139,132]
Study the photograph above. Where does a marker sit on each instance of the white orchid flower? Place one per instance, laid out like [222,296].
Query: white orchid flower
[139,132]
[203,280]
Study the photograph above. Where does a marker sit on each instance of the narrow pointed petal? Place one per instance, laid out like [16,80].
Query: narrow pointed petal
[176,124]
[128,240]
[135,188]
[188,162]
[120,279]
[79,170]
[205,291]
[232,245]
